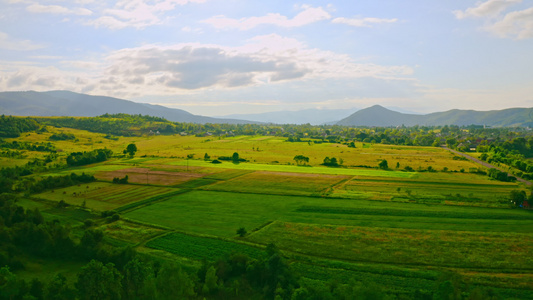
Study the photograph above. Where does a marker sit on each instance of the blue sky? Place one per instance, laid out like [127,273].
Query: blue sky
[217,57]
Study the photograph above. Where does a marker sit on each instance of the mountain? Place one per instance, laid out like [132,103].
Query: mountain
[311,116]
[65,103]
[380,116]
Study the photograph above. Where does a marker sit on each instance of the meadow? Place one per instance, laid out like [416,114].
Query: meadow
[353,222]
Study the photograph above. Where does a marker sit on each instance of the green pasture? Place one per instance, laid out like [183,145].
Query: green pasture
[443,248]
[221,213]
[455,188]
[256,149]
[279,183]
[200,248]
[297,169]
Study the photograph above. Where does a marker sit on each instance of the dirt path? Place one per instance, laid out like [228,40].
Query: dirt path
[485,164]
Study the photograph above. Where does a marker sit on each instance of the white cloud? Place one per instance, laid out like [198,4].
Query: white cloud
[488,8]
[362,22]
[307,16]
[137,13]
[194,68]
[6,42]
[56,9]
[516,24]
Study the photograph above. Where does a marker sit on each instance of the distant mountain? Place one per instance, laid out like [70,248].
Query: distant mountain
[65,103]
[380,116]
[311,116]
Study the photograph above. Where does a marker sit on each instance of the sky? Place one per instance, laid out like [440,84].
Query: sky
[220,57]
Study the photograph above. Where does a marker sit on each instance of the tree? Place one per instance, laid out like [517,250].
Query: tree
[517,197]
[207,157]
[136,274]
[235,157]
[98,281]
[241,232]
[130,150]
[383,165]
[301,159]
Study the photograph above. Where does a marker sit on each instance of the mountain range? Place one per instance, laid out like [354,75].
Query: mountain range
[312,116]
[380,116]
[65,103]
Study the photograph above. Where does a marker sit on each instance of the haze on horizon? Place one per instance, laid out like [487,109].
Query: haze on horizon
[214,57]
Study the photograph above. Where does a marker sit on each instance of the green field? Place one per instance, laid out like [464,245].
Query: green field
[356,222]
[221,213]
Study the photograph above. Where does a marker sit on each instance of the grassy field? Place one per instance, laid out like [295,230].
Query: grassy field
[103,196]
[401,229]
[221,213]
[279,183]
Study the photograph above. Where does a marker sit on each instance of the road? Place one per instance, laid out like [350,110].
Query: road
[485,164]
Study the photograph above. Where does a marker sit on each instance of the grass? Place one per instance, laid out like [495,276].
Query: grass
[130,232]
[398,229]
[299,169]
[498,251]
[199,248]
[221,213]
[104,196]
[279,183]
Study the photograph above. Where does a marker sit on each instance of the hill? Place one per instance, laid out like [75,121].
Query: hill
[65,103]
[311,116]
[380,116]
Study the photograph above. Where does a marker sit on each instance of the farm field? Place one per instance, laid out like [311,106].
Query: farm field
[354,222]
[103,196]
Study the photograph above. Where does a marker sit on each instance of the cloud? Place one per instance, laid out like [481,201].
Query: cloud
[263,60]
[517,24]
[6,42]
[307,16]
[137,13]
[264,63]
[56,9]
[488,8]
[364,22]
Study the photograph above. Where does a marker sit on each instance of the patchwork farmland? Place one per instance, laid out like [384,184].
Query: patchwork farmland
[407,228]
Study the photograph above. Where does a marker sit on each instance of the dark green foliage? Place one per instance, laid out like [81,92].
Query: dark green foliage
[53,182]
[332,162]
[300,159]
[62,136]
[120,180]
[136,275]
[58,289]
[41,147]
[13,126]
[241,232]
[517,198]
[173,282]
[383,165]
[85,158]
[234,158]
[131,149]
[97,281]
[499,175]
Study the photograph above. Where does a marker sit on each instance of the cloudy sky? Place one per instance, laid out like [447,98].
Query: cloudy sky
[217,57]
